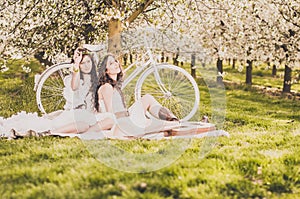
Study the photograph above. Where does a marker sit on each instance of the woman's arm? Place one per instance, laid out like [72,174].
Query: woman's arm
[105,93]
[75,81]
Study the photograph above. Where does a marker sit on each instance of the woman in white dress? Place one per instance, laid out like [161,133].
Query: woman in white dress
[132,121]
[78,116]
[79,91]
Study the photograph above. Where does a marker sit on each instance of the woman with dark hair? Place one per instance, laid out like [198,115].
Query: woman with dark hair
[79,114]
[81,85]
[131,121]
[79,92]
[104,78]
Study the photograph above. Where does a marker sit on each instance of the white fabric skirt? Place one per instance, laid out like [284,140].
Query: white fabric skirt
[22,121]
[138,124]
[74,116]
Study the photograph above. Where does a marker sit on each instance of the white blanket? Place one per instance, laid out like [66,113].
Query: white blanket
[156,136]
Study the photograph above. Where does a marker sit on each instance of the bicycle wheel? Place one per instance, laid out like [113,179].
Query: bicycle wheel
[49,89]
[178,91]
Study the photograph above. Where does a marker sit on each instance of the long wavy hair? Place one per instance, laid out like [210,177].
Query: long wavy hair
[105,78]
[94,77]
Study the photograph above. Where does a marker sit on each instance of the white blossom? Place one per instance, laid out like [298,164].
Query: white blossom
[26,69]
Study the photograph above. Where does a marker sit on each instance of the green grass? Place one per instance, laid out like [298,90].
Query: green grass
[261,75]
[261,158]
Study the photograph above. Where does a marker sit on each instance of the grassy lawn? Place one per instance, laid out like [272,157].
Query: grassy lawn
[262,75]
[261,158]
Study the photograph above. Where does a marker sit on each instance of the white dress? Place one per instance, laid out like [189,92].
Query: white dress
[79,105]
[22,122]
[136,123]
[78,99]
[78,108]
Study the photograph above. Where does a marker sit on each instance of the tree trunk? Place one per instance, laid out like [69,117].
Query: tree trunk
[114,37]
[131,58]
[249,72]
[162,57]
[193,62]
[203,62]
[125,59]
[274,70]
[39,56]
[115,26]
[175,59]
[287,79]
[220,70]
[233,63]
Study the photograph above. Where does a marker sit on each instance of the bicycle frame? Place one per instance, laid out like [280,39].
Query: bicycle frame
[139,69]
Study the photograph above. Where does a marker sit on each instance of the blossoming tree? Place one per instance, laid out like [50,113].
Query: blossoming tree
[52,27]
[248,30]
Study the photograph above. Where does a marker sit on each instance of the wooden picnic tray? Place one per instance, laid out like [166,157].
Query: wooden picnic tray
[191,128]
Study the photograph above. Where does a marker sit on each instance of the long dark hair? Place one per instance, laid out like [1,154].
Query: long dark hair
[94,77]
[105,78]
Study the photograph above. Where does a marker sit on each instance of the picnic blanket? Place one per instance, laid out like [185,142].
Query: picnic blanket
[154,136]
[199,130]
[24,122]
[186,130]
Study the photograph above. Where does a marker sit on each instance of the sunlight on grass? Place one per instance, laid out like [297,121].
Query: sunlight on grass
[260,159]
[260,76]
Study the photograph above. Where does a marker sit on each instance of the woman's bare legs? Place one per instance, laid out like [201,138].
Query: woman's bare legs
[105,124]
[77,127]
[82,127]
[156,109]
[163,119]
[149,101]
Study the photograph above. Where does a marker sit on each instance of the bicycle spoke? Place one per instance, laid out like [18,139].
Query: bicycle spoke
[51,97]
[175,85]
[53,104]
[59,103]
[60,72]
[178,93]
[54,78]
[52,88]
[50,91]
[47,96]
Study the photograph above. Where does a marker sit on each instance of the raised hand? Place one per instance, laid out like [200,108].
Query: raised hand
[77,57]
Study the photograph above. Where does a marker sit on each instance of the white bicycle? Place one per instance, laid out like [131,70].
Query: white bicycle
[171,85]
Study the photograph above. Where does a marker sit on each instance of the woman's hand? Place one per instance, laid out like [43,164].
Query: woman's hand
[77,57]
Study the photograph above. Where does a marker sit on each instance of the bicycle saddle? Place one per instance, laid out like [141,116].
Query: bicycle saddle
[94,48]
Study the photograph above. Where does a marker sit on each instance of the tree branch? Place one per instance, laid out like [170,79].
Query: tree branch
[172,17]
[139,10]
[288,19]
[8,4]
[26,15]
[291,10]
